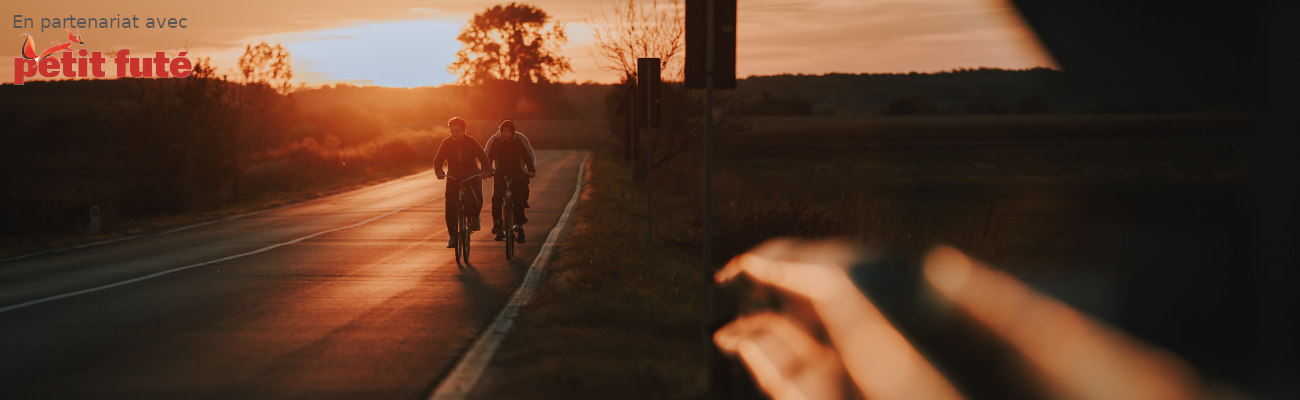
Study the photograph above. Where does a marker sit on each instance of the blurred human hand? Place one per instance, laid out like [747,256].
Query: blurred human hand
[789,363]
[1073,355]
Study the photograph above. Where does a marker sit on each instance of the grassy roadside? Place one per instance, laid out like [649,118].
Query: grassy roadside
[19,245]
[613,320]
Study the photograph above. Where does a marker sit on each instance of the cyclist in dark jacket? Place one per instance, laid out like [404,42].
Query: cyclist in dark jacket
[460,151]
[513,157]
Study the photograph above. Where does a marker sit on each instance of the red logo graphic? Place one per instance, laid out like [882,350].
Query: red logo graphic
[83,63]
[29,46]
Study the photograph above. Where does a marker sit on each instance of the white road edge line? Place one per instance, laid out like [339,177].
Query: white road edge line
[30,303]
[465,374]
[192,226]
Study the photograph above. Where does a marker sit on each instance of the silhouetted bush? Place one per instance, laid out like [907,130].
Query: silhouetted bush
[1024,91]
[910,105]
[768,104]
[985,106]
[150,147]
[1034,105]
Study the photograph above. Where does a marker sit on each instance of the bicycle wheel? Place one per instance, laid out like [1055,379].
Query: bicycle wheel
[463,241]
[460,219]
[507,208]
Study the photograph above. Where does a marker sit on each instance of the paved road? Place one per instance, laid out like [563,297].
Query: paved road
[372,306]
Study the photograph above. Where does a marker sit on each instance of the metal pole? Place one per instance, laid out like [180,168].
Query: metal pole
[629,129]
[649,184]
[649,157]
[705,267]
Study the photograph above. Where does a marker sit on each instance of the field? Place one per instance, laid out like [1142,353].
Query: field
[1013,189]
[1137,219]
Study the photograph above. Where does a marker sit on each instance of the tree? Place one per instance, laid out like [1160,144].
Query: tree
[515,42]
[266,64]
[640,29]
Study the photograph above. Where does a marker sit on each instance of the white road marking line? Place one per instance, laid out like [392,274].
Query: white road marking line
[192,226]
[467,371]
[205,263]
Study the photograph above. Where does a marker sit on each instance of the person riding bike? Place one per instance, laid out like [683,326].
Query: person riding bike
[513,157]
[461,151]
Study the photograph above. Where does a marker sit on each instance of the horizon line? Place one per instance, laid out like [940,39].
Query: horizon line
[305,86]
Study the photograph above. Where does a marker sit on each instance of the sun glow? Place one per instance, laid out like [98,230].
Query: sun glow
[407,53]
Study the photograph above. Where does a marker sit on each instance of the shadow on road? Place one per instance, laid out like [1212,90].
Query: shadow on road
[479,294]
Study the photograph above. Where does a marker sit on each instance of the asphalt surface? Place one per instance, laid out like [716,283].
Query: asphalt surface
[354,295]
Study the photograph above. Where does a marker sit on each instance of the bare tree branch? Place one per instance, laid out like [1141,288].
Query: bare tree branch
[636,29]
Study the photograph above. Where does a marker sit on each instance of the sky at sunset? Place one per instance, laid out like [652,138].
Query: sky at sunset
[409,43]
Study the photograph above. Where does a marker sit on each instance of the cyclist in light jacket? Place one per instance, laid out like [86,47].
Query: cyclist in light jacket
[512,156]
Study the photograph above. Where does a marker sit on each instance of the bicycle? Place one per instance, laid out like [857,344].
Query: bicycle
[509,228]
[462,220]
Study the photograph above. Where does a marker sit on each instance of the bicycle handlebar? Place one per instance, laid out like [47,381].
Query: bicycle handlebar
[484,174]
[478,175]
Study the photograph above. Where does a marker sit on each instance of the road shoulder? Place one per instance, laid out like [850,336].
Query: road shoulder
[607,323]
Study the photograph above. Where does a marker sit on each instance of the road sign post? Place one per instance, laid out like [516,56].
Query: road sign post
[625,110]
